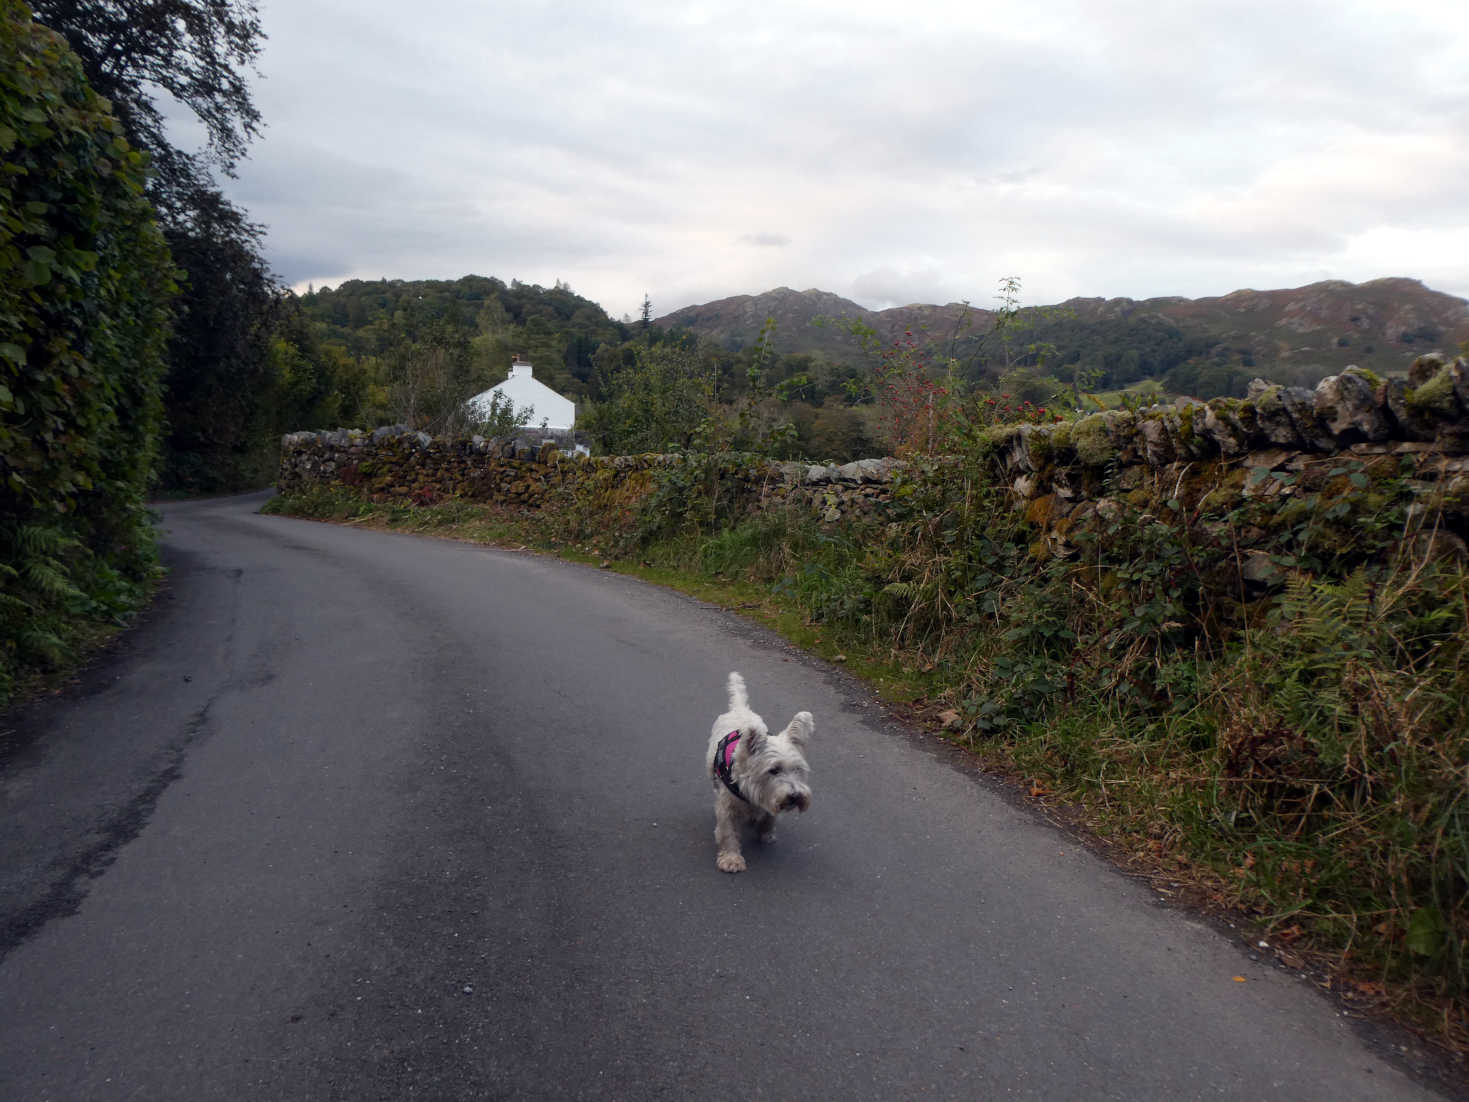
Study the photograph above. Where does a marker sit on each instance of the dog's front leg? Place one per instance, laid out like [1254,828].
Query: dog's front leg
[727,841]
[766,826]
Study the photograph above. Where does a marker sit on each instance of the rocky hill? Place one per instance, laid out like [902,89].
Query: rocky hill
[1332,323]
[1382,324]
[815,321]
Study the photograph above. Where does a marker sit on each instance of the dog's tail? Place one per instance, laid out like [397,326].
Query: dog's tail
[737,697]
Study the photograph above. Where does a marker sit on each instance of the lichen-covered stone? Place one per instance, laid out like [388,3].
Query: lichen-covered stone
[1187,422]
[1424,368]
[1275,423]
[1039,445]
[1406,420]
[1299,407]
[1436,397]
[1011,446]
[1093,441]
[1459,373]
[1346,405]
[1158,441]
[1228,424]
[873,471]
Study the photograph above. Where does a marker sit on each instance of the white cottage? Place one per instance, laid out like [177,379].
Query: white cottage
[546,407]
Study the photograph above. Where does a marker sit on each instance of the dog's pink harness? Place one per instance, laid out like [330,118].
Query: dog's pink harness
[724,763]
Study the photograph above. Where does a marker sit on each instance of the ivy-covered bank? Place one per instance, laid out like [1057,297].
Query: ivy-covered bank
[85,288]
[1234,634]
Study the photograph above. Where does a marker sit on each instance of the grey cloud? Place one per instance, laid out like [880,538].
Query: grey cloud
[1098,148]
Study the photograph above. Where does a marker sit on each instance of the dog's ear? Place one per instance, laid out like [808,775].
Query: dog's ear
[752,739]
[801,728]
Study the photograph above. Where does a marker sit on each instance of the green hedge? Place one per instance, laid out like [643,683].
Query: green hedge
[85,283]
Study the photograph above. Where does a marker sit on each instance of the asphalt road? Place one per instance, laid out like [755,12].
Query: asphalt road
[356,815]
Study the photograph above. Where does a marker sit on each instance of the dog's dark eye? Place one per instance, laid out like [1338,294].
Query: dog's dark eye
[775,772]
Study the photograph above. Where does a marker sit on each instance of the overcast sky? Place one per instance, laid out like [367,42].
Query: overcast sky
[890,152]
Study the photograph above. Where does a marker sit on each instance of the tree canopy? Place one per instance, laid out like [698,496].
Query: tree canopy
[143,55]
[197,52]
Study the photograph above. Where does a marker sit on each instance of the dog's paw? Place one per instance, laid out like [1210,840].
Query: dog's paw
[730,862]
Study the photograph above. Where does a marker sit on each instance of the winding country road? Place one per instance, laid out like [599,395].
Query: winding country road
[356,815]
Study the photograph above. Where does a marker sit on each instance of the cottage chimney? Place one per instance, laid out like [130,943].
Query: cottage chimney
[520,366]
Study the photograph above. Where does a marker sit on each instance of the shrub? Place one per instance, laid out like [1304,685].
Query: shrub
[85,281]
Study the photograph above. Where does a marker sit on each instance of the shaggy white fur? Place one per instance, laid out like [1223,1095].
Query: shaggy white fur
[768,771]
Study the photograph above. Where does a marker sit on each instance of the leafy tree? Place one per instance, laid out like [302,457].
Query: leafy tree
[661,400]
[85,280]
[220,384]
[429,380]
[194,50]
[498,417]
[316,385]
[373,324]
[198,53]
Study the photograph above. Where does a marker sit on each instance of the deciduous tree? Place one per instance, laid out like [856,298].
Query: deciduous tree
[197,52]
[140,54]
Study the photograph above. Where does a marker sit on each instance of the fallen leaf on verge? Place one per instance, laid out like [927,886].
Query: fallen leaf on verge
[1038,789]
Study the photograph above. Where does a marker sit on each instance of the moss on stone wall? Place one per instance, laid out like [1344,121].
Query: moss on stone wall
[1347,450]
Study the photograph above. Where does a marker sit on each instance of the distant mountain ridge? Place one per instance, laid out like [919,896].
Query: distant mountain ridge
[1380,324]
[813,320]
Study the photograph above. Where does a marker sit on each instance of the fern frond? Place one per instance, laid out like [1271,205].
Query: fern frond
[50,579]
[40,539]
[11,603]
[38,643]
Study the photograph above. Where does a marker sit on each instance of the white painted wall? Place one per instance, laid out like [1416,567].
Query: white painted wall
[525,392]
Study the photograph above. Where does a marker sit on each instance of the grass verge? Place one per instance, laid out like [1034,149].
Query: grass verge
[1295,766]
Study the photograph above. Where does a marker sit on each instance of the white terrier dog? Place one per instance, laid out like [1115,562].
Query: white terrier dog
[756,775]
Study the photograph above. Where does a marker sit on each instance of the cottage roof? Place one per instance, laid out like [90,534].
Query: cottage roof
[525,391]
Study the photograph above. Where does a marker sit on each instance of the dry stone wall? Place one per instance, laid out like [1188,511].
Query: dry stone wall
[1345,437]
[397,463]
